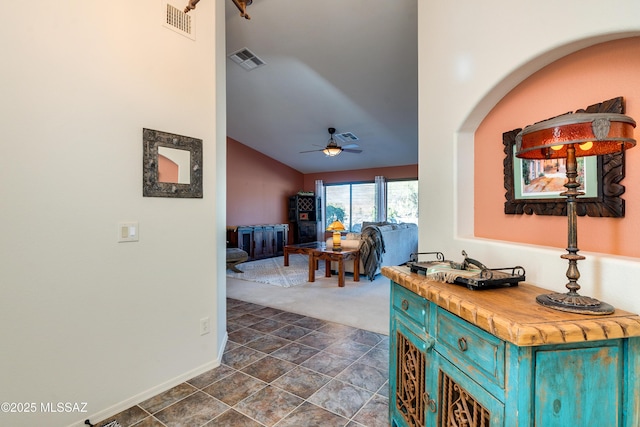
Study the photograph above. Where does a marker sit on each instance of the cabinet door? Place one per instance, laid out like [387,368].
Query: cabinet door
[579,386]
[410,368]
[280,235]
[268,242]
[460,401]
[258,242]
[307,232]
[245,240]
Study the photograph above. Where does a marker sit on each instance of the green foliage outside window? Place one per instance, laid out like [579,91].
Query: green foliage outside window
[352,204]
[402,201]
[334,213]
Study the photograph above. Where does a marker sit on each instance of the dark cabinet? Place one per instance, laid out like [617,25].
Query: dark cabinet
[260,245]
[259,241]
[305,214]
[244,239]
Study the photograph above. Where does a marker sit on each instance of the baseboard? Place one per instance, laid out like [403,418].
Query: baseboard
[141,397]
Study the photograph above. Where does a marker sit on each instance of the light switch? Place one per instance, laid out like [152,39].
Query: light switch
[127,232]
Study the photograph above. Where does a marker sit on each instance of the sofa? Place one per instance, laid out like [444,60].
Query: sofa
[380,244]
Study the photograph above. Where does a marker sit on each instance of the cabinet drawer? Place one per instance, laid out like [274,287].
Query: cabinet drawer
[470,348]
[411,305]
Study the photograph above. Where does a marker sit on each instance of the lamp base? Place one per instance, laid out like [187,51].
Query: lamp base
[574,303]
[337,249]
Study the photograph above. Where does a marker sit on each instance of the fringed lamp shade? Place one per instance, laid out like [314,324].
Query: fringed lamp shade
[570,136]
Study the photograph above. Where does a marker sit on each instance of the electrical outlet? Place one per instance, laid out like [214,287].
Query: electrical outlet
[204,326]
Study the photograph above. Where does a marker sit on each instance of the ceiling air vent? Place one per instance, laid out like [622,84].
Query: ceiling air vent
[246,59]
[175,19]
[346,137]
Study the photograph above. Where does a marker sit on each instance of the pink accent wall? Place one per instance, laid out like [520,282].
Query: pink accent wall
[258,186]
[167,170]
[576,81]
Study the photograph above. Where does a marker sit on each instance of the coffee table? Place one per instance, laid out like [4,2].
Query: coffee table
[328,255]
[301,248]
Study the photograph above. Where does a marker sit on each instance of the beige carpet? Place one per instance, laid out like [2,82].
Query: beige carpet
[363,304]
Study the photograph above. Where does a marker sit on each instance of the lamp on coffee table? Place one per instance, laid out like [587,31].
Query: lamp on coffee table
[336,227]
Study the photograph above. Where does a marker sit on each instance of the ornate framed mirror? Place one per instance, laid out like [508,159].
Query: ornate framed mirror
[171,164]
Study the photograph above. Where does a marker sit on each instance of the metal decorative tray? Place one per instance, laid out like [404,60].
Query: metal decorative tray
[470,272]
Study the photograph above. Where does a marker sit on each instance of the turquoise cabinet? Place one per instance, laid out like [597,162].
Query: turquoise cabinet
[486,366]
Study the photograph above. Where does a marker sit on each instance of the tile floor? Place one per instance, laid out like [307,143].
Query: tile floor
[279,369]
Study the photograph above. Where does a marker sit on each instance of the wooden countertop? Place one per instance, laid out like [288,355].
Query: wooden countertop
[513,315]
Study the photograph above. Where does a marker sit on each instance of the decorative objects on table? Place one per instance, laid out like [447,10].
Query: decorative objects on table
[570,136]
[182,154]
[336,226]
[470,272]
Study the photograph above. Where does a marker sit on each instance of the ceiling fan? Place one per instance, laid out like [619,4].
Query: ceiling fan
[333,149]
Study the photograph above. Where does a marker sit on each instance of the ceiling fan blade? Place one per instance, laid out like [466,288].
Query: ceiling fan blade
[351,150]
[350,146]
[311,151]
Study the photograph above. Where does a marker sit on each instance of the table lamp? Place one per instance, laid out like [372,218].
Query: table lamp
[336,227]
[570,136]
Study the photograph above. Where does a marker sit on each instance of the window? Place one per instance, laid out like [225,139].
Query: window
[351,204]
[354,203]
[402,201]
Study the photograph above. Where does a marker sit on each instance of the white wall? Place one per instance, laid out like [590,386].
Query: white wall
[470,55]
[84,318]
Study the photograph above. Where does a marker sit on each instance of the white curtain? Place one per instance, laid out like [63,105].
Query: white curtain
[381,199]
[320,210]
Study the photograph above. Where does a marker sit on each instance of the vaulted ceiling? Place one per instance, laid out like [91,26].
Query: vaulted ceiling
[351,65]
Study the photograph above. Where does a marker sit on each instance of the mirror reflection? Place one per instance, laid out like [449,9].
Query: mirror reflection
[174,165]
[171,165]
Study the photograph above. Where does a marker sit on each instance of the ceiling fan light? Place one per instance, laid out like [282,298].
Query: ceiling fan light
[332,151]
